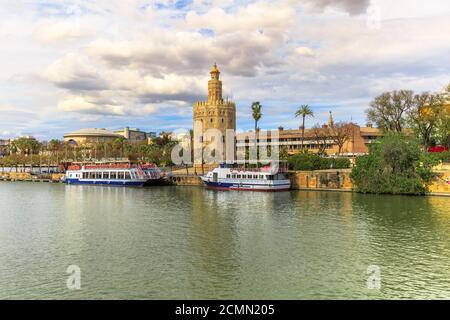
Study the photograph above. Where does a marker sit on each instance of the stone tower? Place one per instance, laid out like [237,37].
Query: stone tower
[215,113]
[331,120]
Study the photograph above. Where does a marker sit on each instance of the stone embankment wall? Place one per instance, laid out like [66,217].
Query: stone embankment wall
[338,180]
[186,180]
[441,184]
[26,176]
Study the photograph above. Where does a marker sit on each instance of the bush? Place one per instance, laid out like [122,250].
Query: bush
[308,161]
[396,164]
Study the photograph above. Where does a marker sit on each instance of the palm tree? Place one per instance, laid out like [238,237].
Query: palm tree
[304,111]
[256,114]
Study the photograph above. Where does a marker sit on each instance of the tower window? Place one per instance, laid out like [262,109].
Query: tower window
[211,120]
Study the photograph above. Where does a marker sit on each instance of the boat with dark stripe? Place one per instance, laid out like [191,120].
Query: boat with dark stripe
[269,178]
[114,174]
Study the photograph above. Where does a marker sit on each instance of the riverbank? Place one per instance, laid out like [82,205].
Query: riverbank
[319,180]
[326,180]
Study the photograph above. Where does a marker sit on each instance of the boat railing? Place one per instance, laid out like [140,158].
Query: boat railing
[108,166]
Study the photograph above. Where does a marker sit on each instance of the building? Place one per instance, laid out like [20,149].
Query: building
[91,136]
[215,113]
[133,135]
[315,140]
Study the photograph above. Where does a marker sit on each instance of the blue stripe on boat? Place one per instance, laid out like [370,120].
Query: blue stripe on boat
[117,183]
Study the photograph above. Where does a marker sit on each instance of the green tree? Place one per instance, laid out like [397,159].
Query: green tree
[257,115]
[304,111]
[26,146]
[425,115]
[306,161]
[443,125]
[396,164]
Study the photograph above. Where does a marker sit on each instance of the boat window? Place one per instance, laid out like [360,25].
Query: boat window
[238,176]
[228,176]
[127,176]
[255,176]
[113,175]
[121,175]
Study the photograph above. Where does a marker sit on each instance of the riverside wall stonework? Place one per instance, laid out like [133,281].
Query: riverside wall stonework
[180,180]
[440,185]
[338,180]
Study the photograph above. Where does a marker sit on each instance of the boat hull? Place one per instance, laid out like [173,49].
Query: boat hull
[115,183]
[247,187]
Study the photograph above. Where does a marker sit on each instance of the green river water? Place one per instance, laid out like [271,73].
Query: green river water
[192,243]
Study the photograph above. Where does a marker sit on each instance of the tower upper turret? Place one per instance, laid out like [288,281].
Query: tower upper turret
[331,120]
[214,86]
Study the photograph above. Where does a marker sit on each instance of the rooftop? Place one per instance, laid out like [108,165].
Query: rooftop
[93,132]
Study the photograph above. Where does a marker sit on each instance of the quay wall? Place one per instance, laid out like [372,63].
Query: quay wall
[336,180]
[186,180]
[26,176]
[339,180]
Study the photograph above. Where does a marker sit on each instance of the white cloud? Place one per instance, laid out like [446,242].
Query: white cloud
[130,61]
[61,31]
[304,52]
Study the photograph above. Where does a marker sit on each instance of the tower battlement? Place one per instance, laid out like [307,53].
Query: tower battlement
[218,103]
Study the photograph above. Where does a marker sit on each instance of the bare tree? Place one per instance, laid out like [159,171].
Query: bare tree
[341,132]
[321,136]
[389,110]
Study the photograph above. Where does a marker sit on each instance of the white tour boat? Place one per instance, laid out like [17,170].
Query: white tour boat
[229,177]
[114,174]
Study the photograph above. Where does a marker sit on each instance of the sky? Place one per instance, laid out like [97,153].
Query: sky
[68,65]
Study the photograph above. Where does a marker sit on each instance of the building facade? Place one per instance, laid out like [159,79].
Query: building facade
[315,140]
[91,136]
[215,113]
[133,135]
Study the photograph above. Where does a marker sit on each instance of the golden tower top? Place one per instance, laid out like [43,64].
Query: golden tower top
[214,86]
[215,72]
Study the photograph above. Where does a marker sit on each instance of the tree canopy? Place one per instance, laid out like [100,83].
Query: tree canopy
[396,164]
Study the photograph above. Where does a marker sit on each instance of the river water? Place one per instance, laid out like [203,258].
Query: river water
[192,243]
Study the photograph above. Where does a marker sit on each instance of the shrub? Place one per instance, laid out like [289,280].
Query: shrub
[308,161]
[396,164]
